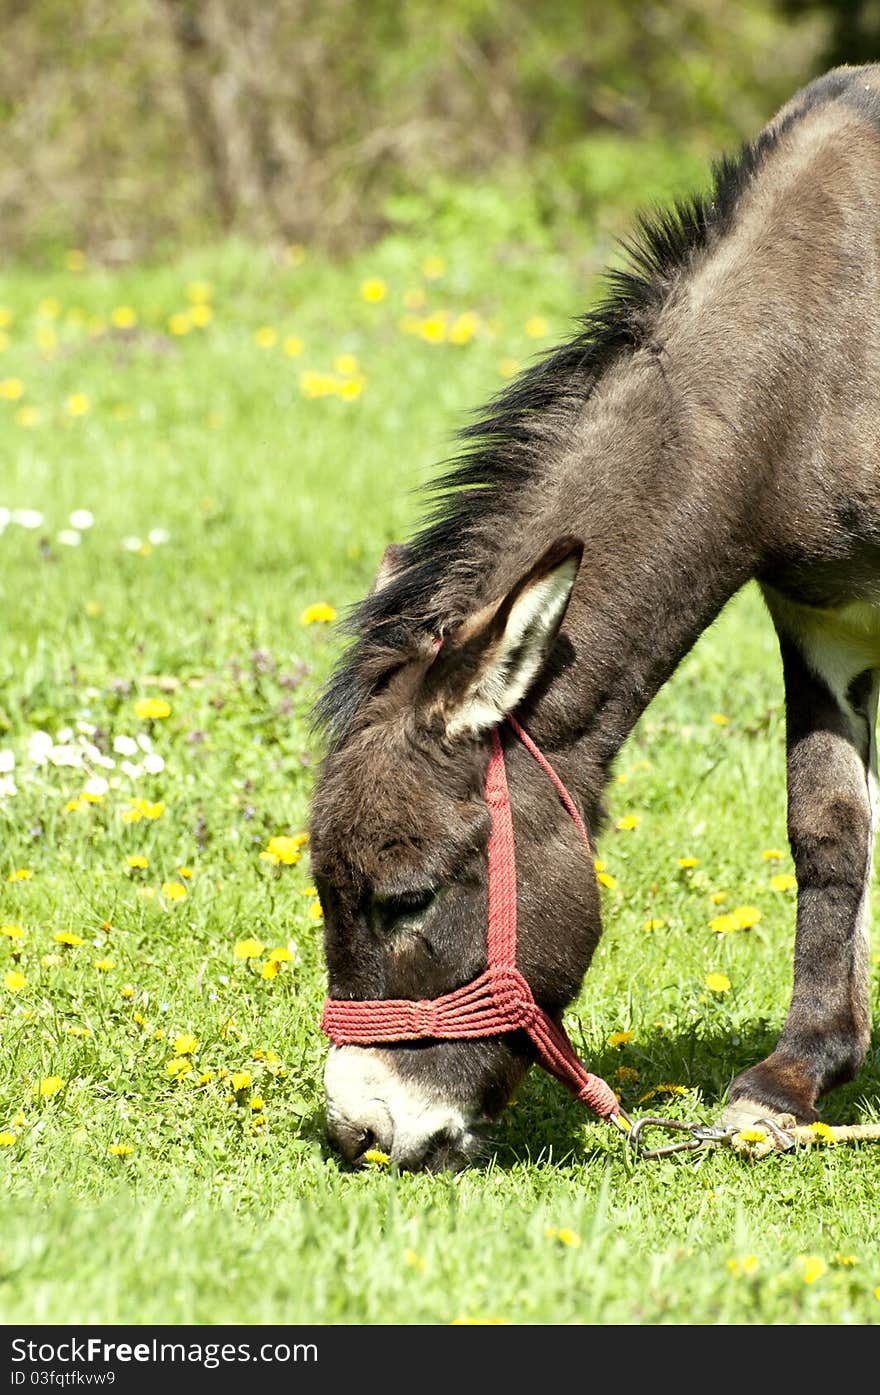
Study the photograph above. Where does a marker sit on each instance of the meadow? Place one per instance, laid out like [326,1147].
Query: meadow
[200,464]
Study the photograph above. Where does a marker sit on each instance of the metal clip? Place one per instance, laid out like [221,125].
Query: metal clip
[698,1136]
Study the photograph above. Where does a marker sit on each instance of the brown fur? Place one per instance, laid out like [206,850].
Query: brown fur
[726,427]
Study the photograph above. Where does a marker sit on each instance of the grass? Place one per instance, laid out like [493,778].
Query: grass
[229,1210]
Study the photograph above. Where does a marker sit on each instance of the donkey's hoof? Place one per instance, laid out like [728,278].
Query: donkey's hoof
[743,1113]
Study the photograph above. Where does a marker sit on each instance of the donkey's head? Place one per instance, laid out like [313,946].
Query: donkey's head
[399,852]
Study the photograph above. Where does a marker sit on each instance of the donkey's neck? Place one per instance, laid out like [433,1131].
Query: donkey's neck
[647,481]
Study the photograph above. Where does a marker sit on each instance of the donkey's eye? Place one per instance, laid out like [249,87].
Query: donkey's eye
[389,911]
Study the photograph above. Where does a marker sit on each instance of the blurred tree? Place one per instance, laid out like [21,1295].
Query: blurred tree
[128,121]
[853,28]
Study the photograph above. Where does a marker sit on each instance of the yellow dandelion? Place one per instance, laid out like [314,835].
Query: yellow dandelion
[508,367]
[536,326]
[292,345]
[783,881]
[413,1260]
[68,937]
[746,916]
[178,1067]
[137,862]
[6,317]
[173,891]
[773,854]
[748,1264]
[433,329]
[123,317]
[120,1150]
[206,1077]
[127,991]
[846,1261]
[718,898]
[77,404]
[11,389]
[186,1044]
[620,1038]
[688,862]
[284,849]
[724,924]
[20,874]
[717,983]
[266,337]
[350,389]
[316,911]
[605,879]
[464,327]
[105,965]
[14,981]
[662,1090]
[376,1157]
[75,1030]
[318,614]
[6,1138]
[198,292]
[240,1080]
[280,955]
[271,969]
[751,1135]
[249,949]
[719,719]
[568,1237]
[12,932]
[373,290]
[656,923]
[312,384]
[346,364]
[823,1133]
[50,1085]
[813,1268]
[179,323]
[201,315]
[257,1104]
[152,709]
[628,822]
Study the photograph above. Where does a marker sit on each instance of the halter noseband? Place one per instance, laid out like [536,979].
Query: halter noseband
[499,999]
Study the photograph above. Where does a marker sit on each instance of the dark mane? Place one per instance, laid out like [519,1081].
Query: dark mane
[504,449]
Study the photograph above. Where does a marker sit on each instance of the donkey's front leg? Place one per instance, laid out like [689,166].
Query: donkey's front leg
[831,692]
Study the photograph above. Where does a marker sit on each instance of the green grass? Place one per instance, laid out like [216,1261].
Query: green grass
[274,501]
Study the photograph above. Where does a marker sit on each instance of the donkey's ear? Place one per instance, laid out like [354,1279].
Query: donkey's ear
[394,560]
[486,666]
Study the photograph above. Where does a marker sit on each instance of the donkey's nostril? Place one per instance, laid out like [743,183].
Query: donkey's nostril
[354,1140]
[366,1141]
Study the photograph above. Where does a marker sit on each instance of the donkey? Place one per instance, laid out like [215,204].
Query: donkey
[715,419]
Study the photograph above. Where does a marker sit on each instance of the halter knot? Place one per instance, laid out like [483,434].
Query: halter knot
[424,1019]
[513,997]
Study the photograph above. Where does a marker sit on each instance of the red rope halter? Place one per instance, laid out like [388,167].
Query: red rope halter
[499,999]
